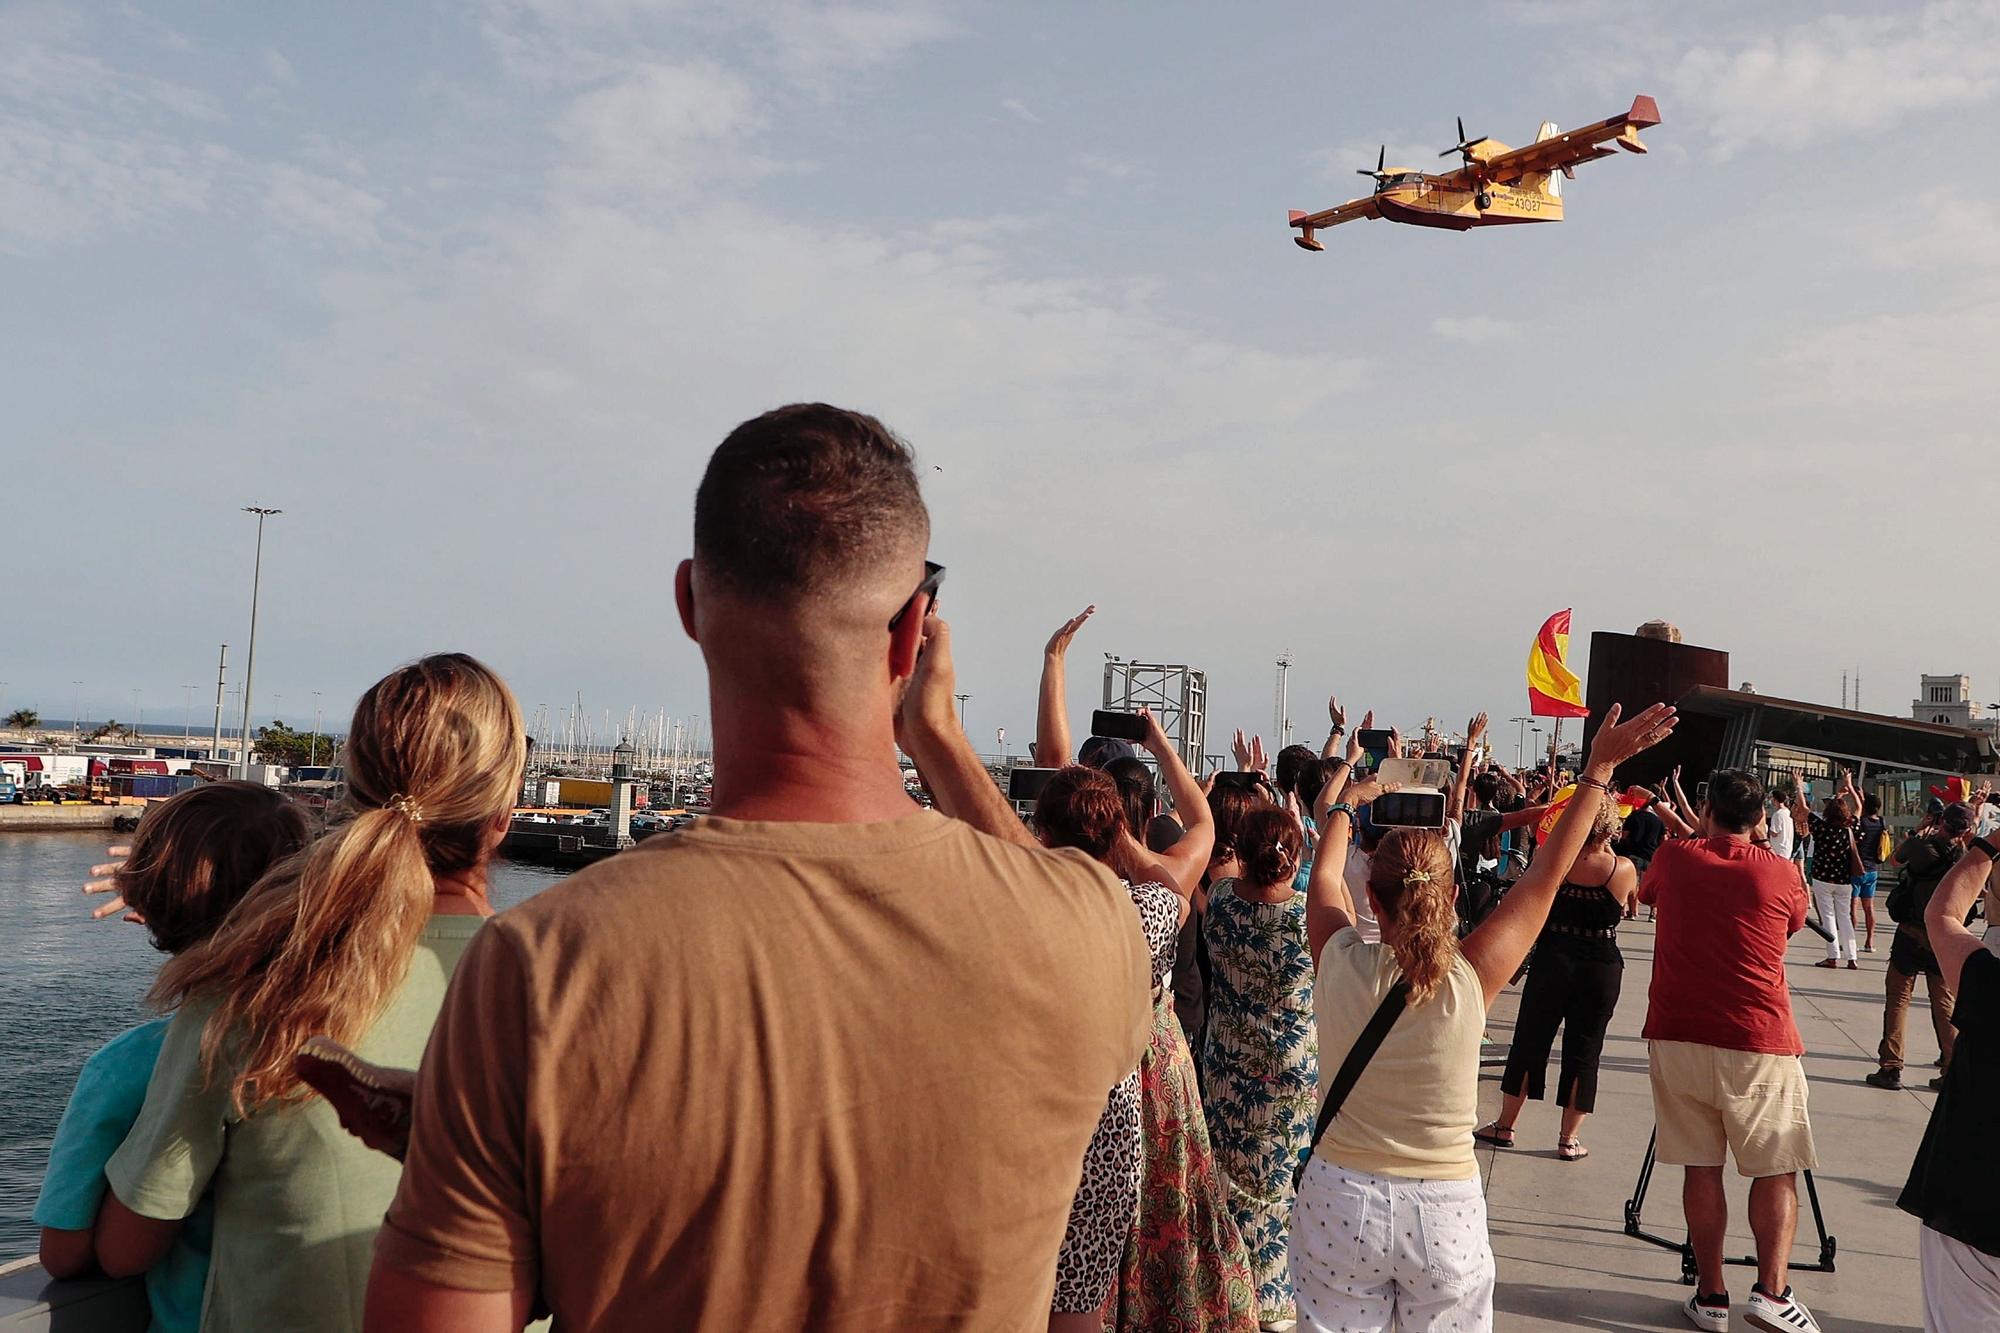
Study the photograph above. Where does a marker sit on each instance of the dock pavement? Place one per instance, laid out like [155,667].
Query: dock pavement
[1558,1227]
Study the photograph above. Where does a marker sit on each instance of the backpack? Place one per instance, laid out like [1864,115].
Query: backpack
[1914,887]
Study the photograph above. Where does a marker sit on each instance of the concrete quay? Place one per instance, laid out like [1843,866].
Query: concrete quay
[1558,1227]
[70,817]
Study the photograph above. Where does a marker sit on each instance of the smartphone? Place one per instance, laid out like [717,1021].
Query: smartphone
[1408,809]
[1117,726]
[1700,792]
[1374,743]
[1236,777]
[1025,784]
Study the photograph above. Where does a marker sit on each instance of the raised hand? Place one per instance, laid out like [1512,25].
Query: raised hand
[1616,740]
[104,879]
[1353,752]
[1336,713]
[1474,731]
[1395,743]
[1157,741]
[1065,634]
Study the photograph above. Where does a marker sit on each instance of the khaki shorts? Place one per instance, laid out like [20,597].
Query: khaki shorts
[1705,1097]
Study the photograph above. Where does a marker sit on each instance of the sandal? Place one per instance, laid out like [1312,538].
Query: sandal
[1571,1150]
[1496,1134]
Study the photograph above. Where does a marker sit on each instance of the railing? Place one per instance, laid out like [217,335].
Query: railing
[31,1300]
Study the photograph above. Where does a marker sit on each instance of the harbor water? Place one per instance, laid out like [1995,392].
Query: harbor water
[67,985]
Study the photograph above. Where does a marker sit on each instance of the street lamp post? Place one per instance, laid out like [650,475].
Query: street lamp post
[961,710]
[1520,740]
[250,658]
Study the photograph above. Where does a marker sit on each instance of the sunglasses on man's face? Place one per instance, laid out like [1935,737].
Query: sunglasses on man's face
[933,576]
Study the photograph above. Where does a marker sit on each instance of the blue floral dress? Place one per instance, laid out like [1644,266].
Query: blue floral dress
[1261,1066]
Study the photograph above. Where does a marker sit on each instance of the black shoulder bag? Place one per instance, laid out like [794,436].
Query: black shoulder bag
[1363,1050]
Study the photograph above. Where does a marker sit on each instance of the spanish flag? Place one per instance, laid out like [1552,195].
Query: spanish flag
[1553,689]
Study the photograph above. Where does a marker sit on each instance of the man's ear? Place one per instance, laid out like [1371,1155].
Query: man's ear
[906,639]
[684,597]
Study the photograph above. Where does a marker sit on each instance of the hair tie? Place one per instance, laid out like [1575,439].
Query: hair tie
[406,807]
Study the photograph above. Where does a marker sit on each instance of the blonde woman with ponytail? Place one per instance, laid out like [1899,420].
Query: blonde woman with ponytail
[1389,1230]
[354,938]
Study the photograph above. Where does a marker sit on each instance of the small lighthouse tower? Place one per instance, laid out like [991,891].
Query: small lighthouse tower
[621,794]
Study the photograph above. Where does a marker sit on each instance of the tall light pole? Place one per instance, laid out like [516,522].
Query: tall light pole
[961,710]
[313,758]
[187,722]
[1520,740]
[250,657]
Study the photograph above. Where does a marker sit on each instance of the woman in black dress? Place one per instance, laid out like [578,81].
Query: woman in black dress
[1572,984]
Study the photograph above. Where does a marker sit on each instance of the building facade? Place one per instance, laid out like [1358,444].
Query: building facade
[1948,702]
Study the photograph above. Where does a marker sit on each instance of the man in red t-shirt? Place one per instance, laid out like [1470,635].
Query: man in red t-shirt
[1723,1047]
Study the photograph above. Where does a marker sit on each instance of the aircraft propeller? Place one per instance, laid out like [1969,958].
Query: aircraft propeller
[1381,159]
[1464,146]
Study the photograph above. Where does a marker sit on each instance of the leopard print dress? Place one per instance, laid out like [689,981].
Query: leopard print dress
[1107,1200]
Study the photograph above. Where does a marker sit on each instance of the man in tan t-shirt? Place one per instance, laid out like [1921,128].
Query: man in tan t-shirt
[825,1060]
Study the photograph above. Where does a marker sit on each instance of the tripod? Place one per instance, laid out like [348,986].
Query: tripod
[1686,1247]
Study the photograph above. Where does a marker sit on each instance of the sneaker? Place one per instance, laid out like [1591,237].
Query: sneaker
[1868,947]
[1892,1079]
[1710,1312]
[1831,962]
[1779,1314]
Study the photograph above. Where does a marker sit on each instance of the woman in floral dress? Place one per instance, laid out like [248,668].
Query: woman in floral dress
[1260,1062]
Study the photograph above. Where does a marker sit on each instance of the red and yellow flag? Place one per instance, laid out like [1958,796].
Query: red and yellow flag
[1553,689]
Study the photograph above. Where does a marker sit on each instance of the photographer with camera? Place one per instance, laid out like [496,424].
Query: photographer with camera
[1923,860]
[1723,1047]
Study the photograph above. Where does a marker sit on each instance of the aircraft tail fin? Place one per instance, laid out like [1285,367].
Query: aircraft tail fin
[1551,182]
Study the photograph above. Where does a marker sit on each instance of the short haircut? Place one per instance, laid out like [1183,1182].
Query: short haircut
[195,855]
[1735,799]
[805,497]
[1290,760]
[1486,786]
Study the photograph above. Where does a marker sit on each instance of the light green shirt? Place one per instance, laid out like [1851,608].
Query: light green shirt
[297,1198]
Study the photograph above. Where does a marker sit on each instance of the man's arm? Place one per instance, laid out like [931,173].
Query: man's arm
[1526,817]
[928,730]
[1944,917]
[1329,906]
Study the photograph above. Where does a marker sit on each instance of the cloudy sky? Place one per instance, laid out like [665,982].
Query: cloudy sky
[470,290]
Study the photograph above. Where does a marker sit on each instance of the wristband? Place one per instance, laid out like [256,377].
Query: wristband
[1337,729]
[1340,808]
[1985,845]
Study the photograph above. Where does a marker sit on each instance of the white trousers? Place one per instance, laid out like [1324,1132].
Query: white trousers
[1835,905]
[1961,1285]
[1379,1252]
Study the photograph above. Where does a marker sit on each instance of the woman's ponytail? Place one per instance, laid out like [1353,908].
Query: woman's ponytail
[1411,876]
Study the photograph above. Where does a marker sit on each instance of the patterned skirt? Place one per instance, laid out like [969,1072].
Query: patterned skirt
[1185,1268]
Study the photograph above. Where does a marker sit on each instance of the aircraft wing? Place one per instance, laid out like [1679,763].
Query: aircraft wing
[1307,223]
[1563,151]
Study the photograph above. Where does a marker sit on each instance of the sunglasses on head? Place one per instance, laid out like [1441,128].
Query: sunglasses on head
[933,576]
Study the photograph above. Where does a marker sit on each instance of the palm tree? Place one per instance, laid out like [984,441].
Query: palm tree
[23,719]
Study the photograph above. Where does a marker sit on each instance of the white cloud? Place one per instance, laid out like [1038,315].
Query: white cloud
[1015,107]
[277,67]
[653,128]
[1841,75]
[323,206]
[1475,329]
[64,185]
